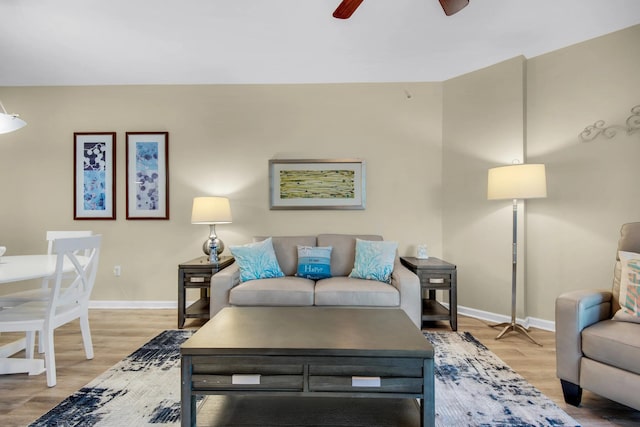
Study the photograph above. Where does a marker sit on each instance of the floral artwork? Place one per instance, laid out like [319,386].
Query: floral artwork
[94,175]
[147,175]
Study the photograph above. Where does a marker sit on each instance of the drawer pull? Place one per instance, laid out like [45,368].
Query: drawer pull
[436,280]
[245,379]
[197,280]
[365,381]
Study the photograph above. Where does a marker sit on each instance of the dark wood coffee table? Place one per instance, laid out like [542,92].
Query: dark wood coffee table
[308,351]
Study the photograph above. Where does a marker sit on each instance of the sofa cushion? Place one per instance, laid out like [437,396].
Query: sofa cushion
[343,254]
[286,249]
[256,260]
[314,262]
[355,292]
[613,343]
[374,260]
[282,291]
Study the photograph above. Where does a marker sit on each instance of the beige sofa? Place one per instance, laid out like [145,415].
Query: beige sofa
[594,351]
[338,290]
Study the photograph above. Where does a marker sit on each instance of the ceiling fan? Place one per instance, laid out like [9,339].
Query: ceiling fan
[347,7]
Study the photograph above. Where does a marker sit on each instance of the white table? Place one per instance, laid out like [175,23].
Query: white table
[18,269]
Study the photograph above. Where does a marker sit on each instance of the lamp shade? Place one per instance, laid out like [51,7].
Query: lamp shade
[9,122]
[211,210]
[517,182]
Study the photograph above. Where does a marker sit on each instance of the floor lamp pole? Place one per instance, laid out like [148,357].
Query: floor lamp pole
[513,325]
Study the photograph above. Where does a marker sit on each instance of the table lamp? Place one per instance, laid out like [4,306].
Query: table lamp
[519,181]
[212,211]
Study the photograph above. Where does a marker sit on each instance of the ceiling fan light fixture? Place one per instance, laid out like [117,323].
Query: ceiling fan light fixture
[9,122]
[453,6]
[346,9]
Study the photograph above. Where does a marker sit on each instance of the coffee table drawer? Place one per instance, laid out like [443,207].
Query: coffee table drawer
[382,367]
[246,373]
[247,382]
[365,384]
[380,375]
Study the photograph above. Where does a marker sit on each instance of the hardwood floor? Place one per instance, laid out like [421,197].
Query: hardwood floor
[117,333]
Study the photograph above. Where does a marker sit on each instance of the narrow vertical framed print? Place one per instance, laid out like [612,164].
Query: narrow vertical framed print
[94,175]
[147,175]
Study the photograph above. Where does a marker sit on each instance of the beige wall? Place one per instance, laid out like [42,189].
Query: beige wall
[483,128]
[593,187]
[220,140]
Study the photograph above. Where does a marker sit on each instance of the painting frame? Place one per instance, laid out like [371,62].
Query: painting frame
[317,184]
[94,176]
[147,154]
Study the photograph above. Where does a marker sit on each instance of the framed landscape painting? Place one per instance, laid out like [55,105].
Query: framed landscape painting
[94,175]
[317,184]
[147,175]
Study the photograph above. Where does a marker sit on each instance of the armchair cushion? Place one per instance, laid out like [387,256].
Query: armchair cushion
[613,343]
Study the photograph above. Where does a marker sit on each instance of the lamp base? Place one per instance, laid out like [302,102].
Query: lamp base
[513,326]
[206,246]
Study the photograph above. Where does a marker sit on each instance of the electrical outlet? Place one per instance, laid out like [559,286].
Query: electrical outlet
[117,270]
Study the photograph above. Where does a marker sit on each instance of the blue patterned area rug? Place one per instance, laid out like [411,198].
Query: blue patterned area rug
[473,388]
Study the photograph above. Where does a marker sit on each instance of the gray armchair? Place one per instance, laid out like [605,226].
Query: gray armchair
[594,351]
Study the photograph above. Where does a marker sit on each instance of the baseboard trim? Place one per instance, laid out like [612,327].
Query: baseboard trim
[527,322]
[546,325]
[152,305]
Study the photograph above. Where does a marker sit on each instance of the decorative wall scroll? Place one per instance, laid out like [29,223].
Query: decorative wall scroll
[147,175]
[595,130]
[94,175]
[317,184]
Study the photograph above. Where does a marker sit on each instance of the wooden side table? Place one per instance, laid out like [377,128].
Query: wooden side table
[436,274]
[196,274]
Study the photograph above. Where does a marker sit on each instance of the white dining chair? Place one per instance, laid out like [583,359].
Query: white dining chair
[41,293]
[65,303]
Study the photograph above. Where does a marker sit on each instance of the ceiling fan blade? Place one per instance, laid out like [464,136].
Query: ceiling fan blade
[453,6]
[346,8]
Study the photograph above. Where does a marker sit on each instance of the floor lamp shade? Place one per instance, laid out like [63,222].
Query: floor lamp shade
[211,211]
[517,182]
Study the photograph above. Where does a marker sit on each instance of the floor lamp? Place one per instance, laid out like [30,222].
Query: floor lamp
[515,182]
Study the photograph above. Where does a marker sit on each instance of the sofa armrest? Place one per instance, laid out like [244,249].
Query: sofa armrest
[575,311]
[221,284]
[408,285]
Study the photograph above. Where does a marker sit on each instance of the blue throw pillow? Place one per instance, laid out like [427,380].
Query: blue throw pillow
[257,260]
[314,262]
[374,260]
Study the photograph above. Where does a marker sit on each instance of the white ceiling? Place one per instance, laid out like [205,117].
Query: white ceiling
[96,42]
